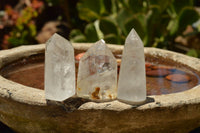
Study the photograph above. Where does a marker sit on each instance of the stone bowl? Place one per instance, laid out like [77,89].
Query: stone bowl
[24,109]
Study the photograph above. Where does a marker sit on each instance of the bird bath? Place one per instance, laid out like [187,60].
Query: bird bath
[30,72]
[172,105]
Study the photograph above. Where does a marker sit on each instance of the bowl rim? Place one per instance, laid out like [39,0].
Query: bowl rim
[33,96]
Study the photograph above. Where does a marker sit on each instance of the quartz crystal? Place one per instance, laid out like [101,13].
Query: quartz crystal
[132,79]
[97,75]
[59,69]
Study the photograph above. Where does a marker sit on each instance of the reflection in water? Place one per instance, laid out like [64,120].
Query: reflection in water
[174,84]
[176,80]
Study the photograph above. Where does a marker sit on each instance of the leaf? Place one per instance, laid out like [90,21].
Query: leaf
[162,4]
[77,36]
[75,33]
[123,3]
[107,26]
[32,29]
[164,21]
[93,5]
[111,39]
[152,25]
[20,27]
[136,5]
[108,6]
[122,15]
[187,17]
[91,33]
[193,53]
[179,5]
[89,10]
[133,22]
[88,15]
[14,41]
[173,27]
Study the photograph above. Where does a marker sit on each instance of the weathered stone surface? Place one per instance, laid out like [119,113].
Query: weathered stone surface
[24,108]
[97,75]
[132,80]
[59,69]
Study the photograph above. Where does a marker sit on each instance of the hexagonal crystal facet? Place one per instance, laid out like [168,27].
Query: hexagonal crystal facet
[132,79]
[97,75]
[59,69]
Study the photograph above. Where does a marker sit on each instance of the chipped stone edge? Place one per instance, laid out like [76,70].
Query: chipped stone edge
[33,96]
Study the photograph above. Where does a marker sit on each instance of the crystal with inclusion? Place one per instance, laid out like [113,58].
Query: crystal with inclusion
[132,79]
[59,69]
[97,75]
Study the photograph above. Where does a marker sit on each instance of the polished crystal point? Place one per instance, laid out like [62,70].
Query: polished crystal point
[132,79]
[59,69]
[97,75]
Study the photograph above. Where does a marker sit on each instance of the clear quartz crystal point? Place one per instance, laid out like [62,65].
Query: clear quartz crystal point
[59,69]
[132,79]
[97,75]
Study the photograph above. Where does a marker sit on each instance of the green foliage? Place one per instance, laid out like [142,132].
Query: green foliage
[91,10]
[157,22]
[194,53]
[25,30]
[90,34]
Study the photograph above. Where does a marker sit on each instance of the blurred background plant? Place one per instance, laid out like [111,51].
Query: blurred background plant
[167,24]
[21,21]
[26,22]
[157,22]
